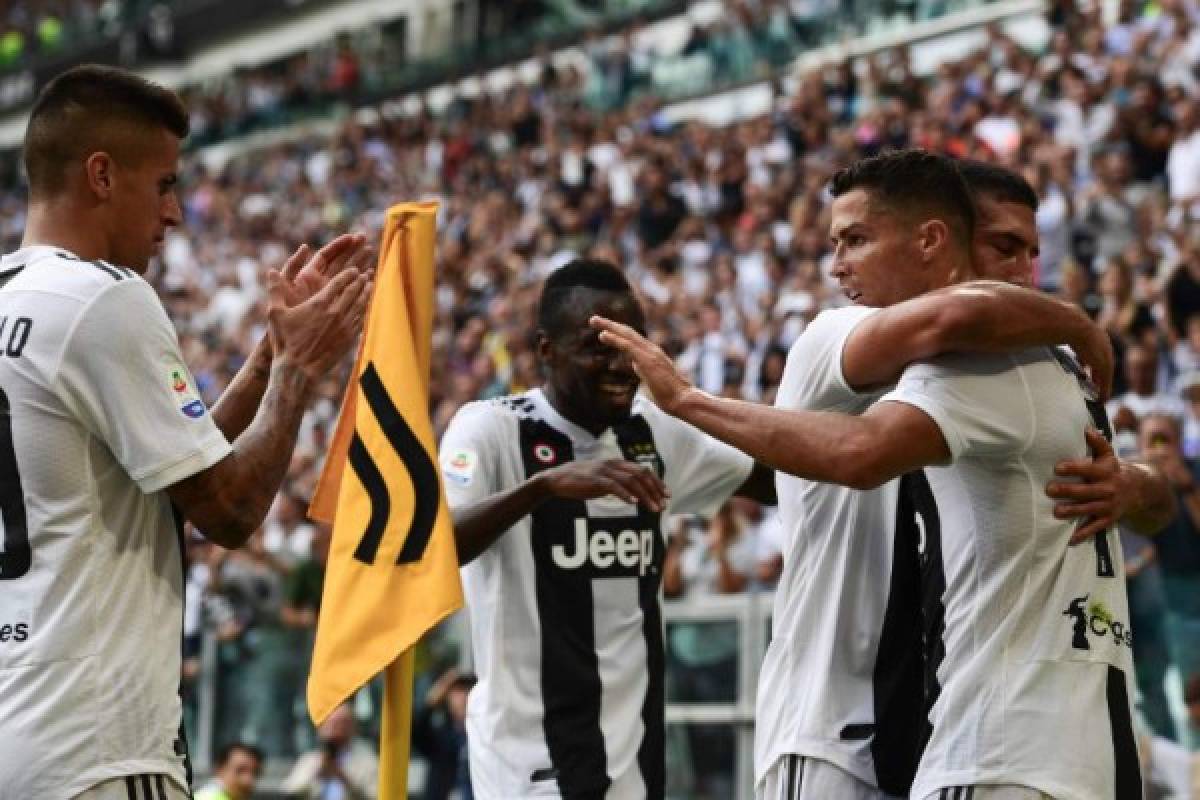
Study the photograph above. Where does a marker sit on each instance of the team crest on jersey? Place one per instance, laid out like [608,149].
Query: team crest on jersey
[186,395]
[459,466]
[545,453]
[643,453]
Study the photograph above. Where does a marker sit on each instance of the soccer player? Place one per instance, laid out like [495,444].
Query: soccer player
[105,444]
[1027,640]
[558,497]
[1006,249]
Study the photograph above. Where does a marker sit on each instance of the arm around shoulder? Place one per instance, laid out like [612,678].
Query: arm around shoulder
[979,316]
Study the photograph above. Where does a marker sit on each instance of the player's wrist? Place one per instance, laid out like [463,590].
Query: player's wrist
[294,375]
[686,402]
[541,486]
[261,358]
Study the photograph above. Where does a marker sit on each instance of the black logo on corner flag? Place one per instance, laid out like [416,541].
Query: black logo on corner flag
[416,461]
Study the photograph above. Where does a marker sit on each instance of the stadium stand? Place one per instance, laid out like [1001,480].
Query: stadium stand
[722,228]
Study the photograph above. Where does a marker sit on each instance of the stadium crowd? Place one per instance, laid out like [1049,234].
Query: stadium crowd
[36,28]
[723,231]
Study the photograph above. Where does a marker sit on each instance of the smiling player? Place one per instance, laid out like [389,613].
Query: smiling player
[558,496]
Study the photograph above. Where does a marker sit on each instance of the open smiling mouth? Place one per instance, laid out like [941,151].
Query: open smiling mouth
[618,391]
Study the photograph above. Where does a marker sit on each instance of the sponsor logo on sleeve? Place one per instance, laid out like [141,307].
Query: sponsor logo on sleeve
[458,466]
[187,397]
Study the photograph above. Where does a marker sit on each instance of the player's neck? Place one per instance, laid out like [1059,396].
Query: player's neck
[570,414]
[57,225]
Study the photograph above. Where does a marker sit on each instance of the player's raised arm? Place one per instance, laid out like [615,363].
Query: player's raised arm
[304,274]
[229,500]
[860,452]
[979,316]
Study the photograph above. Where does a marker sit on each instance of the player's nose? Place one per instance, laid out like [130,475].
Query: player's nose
[172,215]
[837,266]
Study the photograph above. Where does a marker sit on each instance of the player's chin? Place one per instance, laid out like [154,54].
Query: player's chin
[139,262]
[616,410]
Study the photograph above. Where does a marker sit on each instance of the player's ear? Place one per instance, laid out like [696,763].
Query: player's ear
[545,349]
[932,236]
[98,173]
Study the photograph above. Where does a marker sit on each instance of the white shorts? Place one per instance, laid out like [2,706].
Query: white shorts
[136,787]
[984,792]
[794,777]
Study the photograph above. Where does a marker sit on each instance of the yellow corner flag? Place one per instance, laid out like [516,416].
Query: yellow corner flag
[393,570]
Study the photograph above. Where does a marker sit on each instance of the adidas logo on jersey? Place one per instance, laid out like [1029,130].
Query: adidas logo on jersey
[624,554]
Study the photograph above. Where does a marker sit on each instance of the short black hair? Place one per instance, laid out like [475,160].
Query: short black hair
[227,750]
[997,183]
[911,181]
[580,273]
[74,114]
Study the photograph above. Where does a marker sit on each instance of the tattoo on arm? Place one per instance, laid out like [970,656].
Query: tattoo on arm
[228,501]
[240,401]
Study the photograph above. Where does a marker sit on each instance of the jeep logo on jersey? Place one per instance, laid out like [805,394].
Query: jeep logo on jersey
[1095,619]
[605,554]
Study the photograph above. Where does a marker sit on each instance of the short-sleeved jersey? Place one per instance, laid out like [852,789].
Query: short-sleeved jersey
[842,678]
[98,414]
[565,607]
[1034,680]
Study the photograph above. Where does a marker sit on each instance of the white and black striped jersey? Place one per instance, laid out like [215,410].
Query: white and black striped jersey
[1034,663]
[98,414]
[565,607]
[842,679]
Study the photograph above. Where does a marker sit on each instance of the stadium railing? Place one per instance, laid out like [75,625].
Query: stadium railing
[714,648]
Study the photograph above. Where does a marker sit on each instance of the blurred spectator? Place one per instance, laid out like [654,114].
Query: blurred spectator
[236,770]
[1188,385]
[1183,287]
[287,535]
[344,73]
[1148,613]
[1143,396]
[1183,160]
[1178,544]
[721,560]
[258,686]
[439,733]
[342,767]
[302,589]
[1109,208]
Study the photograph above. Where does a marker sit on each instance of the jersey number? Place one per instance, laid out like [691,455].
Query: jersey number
[16,556]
